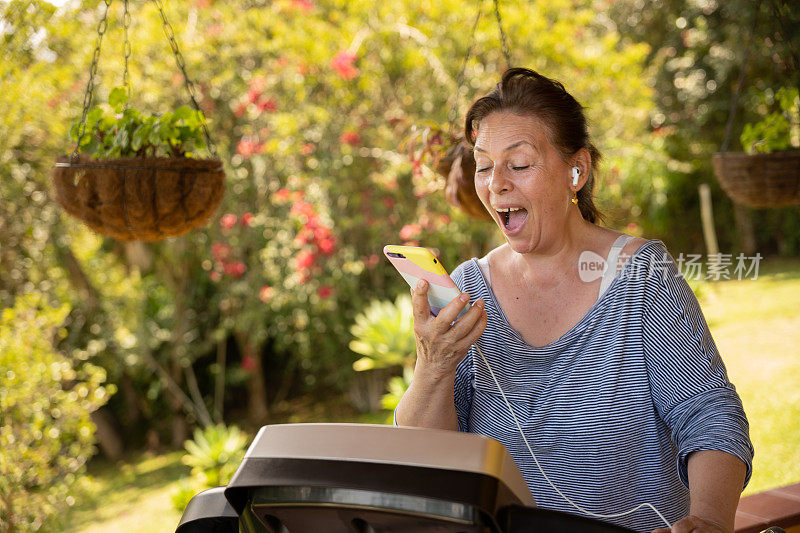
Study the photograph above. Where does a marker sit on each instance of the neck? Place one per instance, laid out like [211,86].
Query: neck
[557,261]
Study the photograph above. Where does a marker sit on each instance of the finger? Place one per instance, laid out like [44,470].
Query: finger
[447,315]
[467,321]
[474,334]
[419,303]
[684,525]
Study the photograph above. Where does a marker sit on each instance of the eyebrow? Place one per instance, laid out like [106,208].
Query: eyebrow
[507,148]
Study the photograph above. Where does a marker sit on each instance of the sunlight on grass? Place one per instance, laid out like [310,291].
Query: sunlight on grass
[756,326]
[130,498]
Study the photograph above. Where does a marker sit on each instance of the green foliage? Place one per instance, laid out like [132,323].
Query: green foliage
[46,435]
[696,53]
[384,334]
[396,389]
[214,455]
[307,122]
[774,131]
[125,132]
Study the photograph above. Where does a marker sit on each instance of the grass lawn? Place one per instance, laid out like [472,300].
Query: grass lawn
[755,324]
[133,497]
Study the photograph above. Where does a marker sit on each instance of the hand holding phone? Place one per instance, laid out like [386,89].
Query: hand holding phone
[443,338]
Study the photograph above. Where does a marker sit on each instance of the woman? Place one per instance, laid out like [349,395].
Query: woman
[615,380]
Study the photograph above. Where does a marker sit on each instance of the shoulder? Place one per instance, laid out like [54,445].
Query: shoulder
[633,245]
[463,272]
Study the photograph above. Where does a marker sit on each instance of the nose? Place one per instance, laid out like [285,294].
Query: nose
[499,182]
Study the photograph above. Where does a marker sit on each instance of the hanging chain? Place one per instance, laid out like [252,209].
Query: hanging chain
[126,22]
[740,83]
[462,74]
[170,33]
[503,38]
[87,96]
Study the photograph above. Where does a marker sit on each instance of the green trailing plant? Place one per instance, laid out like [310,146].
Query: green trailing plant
[117,131]
[777,131]
[214,454]
[384,335]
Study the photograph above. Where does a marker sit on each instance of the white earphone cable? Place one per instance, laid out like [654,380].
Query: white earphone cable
[576,506]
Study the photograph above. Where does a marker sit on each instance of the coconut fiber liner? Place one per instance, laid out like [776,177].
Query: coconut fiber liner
[760,180]
[139,199]
[457,165]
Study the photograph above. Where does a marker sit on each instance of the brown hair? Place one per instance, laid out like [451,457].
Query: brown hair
[527,92]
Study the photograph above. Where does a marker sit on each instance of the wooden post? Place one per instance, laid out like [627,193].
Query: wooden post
[707,218]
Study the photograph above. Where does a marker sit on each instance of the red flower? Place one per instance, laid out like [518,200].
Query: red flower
[304,260]
[325,291]
[302,5]
[303,208]
[253,95]
[327,246]
[371,261]
[267,105]
[298,195]
[388,202]
[235,269]
[265,294]
[240,109]
[321,233]
[304,237]
[249,363]
[410,231]
[282,195]
[307,149]
[227,221]
[350,137]
[247,218]
[342,63]
[214,275]
[221,251]
[247,147]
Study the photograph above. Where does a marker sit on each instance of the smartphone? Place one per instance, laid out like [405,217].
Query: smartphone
[415,263]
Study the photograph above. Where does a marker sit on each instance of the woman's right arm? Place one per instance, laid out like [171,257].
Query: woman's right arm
[428,402]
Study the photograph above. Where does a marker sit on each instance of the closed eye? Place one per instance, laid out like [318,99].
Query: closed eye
[520,168]
[484,169]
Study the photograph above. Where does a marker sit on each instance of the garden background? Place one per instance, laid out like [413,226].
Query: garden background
[111,353]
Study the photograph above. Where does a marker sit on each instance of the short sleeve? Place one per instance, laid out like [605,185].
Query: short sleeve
[688,380]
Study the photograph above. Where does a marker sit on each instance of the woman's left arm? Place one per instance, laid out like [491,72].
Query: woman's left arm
[715,482]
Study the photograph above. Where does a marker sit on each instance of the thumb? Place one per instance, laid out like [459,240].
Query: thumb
[419,302]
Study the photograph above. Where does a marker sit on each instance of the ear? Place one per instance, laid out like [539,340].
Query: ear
[583,160]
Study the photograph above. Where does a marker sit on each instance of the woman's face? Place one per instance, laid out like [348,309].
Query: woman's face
[517,169]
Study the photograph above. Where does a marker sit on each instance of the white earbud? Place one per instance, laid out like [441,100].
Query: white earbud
[576,174]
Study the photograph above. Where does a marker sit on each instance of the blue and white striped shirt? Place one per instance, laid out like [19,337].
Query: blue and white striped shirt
[613,408]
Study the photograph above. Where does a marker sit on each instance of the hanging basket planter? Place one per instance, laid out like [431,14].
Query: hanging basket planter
[144,199]
[457,165]
[760,180]
[137,177]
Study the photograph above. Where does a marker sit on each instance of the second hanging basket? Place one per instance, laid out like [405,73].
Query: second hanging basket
[760,180]
[144,199]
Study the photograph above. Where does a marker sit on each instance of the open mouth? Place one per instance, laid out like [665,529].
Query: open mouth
[512,217]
